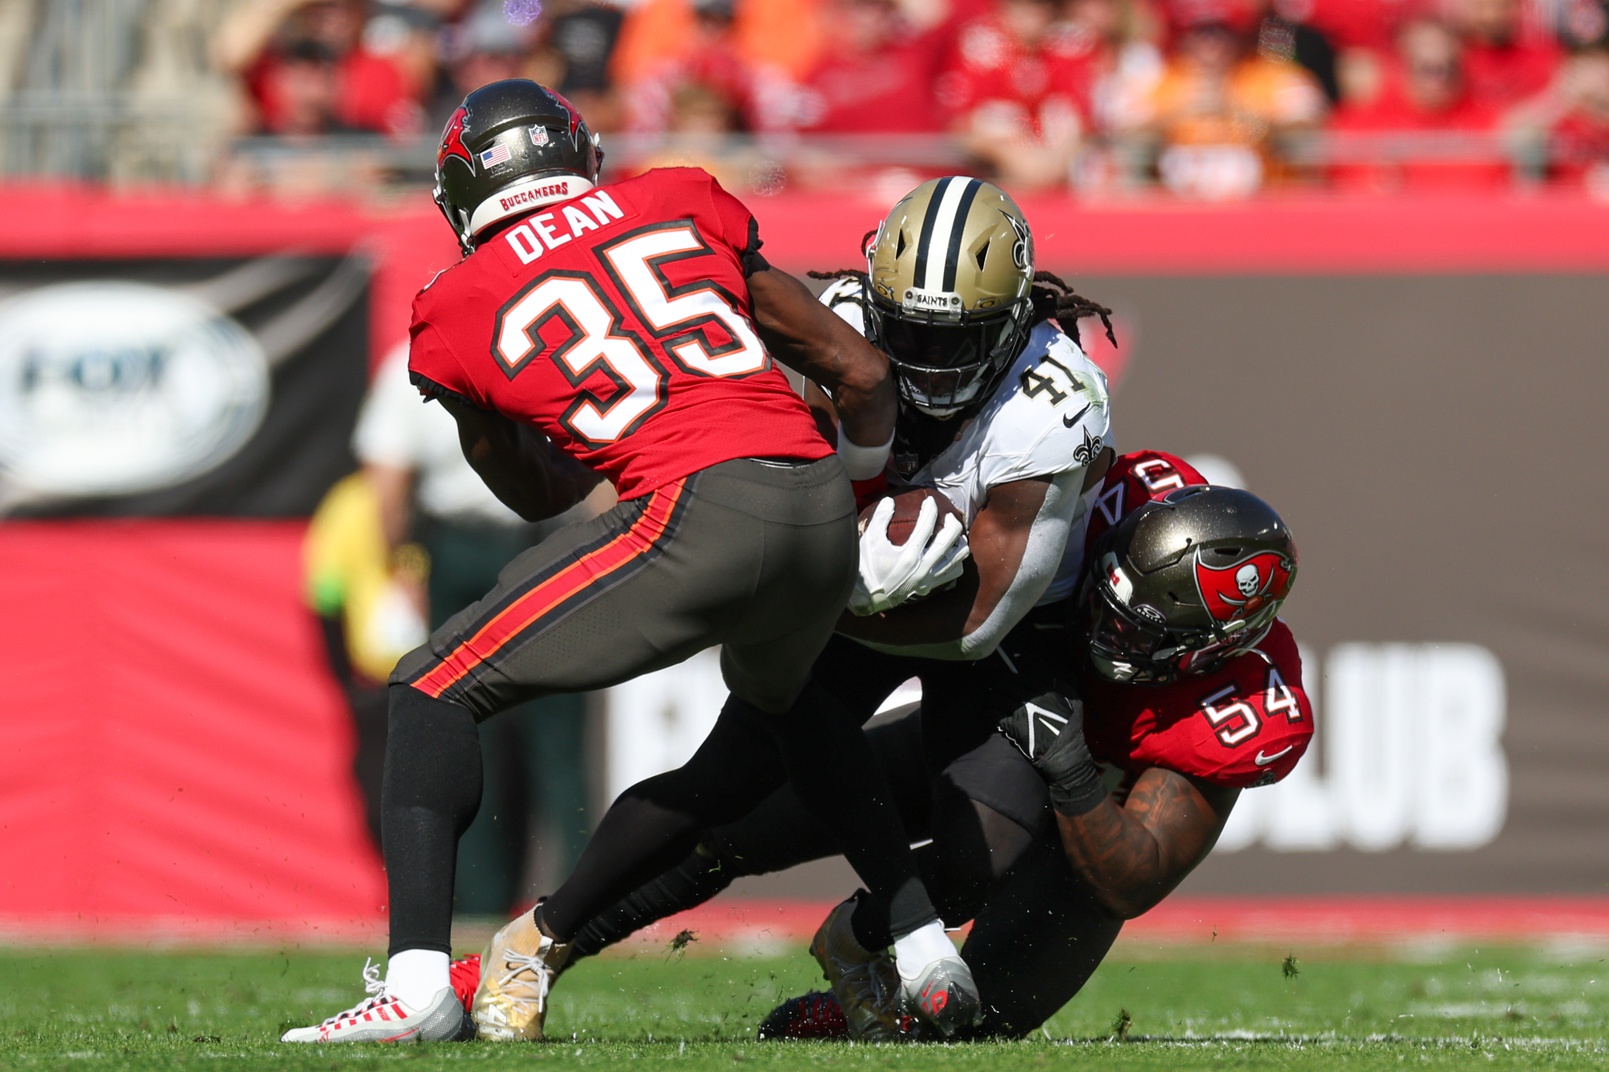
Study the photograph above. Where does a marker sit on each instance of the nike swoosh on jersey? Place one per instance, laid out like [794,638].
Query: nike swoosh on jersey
[1263,761]
[1075,418]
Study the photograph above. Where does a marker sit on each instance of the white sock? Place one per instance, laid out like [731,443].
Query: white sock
[415,976]
[919,949]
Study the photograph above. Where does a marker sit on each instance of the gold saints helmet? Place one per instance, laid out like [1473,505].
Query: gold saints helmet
[949,273]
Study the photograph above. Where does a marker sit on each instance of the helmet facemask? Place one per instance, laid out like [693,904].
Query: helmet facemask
[1129,647]
[945,364]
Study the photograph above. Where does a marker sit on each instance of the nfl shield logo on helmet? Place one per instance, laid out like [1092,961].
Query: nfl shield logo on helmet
[539,136]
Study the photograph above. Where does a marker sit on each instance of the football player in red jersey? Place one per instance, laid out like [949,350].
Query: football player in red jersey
[1170,707]
[625,332]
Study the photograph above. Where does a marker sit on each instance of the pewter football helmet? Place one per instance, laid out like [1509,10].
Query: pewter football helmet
[510,147]
[1185,583]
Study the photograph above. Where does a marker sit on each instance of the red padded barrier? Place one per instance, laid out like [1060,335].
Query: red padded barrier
[173,748]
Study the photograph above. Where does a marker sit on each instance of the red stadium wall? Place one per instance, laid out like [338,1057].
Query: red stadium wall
[174,754]
[174,751]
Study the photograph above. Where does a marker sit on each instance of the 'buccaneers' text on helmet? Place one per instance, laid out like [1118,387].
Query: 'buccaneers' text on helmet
[511,147]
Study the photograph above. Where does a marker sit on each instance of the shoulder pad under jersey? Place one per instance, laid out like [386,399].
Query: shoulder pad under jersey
[845,298]
[1050,413]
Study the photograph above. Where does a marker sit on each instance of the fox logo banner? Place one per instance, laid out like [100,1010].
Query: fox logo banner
[1237,591]
[162,387]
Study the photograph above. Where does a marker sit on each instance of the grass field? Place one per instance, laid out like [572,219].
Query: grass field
[1213,1006]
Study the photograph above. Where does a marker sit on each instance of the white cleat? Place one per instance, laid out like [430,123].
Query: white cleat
[865,982]
[516,972]
[382,1018]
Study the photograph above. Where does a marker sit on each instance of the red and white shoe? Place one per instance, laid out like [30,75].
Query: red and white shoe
[382,1018]
[465,976]
[815,1015]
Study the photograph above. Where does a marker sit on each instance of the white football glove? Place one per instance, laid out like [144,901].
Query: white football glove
[890,574]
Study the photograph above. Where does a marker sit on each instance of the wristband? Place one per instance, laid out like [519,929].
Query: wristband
[862,463]
[1080,790]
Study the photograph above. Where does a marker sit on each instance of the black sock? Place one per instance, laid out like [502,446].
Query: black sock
[431,793]
[654,825]
[692,882]
[869,923]
[835,773]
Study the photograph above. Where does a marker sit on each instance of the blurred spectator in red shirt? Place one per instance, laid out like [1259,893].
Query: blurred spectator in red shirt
[304,84]
[1569,125]
[260,39]
[878,77]
[1447,137]
[1222,106]
[1018,86]
[1580,141]
[1506,61]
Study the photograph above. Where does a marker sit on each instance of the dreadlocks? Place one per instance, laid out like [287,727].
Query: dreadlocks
[857,274]
[1054,298]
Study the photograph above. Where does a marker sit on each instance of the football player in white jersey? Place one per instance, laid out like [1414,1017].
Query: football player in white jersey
[1000,409]
[1004,414]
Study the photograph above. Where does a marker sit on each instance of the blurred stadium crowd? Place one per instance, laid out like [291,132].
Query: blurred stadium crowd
[1197,98]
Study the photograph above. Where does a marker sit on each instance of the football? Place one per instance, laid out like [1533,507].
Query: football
[907,503]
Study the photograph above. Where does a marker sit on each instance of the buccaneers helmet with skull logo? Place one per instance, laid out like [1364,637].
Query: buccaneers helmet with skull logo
[1185,583]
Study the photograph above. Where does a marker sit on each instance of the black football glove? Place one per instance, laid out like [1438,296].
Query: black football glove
[1049,730]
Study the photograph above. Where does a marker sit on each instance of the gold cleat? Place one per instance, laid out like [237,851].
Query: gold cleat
[866,983]
[516,972]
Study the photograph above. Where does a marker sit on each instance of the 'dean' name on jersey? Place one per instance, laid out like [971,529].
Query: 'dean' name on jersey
[1049,414]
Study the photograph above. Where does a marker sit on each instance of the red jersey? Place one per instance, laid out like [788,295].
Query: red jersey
[618,323]
[1134,479]
[1038,90]
[1245,724]
[1505,75]
[886,91]
[1393,113]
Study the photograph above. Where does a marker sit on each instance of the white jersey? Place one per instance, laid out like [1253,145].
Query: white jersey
[1049,414]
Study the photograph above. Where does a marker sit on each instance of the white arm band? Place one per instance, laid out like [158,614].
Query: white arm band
[862,463]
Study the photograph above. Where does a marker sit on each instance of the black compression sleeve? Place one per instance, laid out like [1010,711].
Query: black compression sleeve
[431,793]
[692,882]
